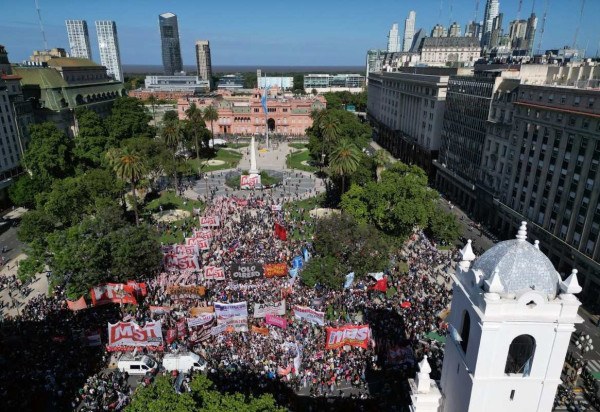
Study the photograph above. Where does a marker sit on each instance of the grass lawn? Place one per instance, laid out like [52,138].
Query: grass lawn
[237,145]
[297,145]
[294,161]
[230,158]
[170,201]
[307,205]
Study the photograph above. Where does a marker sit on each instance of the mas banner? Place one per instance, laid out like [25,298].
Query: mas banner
[249,181]
[214,273]
[233,314]
[246,271]
[209,221]
[348,335]
[263,309]
[276,321]
[113,292]
[275,269]
[309,315]
[129,335]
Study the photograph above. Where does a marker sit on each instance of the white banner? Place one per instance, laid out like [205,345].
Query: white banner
[233,314]
[130,334]
[209,221]
[200,320]
[263,309]
[214,273]
[185,249]
[217,330]
[309,315]
[181,262]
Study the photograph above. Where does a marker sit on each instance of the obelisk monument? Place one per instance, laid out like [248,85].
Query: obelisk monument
[253,169]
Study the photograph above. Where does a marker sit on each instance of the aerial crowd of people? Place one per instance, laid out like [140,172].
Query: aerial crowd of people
[286,361]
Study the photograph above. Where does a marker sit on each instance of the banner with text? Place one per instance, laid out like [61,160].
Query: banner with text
[276,321]
[246,271]
[113,293]
[348,335]
[200,244]
[209,221]
[214,273]
[204,234]
[129,335]
[233,314]
[275,269]
[309,315]
[192,292]
[174,262]
[263,309]
[249,181]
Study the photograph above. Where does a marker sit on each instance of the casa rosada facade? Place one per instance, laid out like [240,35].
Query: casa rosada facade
[244,114]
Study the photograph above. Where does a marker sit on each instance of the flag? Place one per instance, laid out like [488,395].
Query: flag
[381,285]
[280,232]
[306,254]
[77,305]
[297,262]
[293,272]
[263,100]
[349,280]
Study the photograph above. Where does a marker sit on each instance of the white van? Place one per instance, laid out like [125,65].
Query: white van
[183,362]
[137,365]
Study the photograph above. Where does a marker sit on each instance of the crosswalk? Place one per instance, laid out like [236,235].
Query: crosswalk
[579,400]
[593,366]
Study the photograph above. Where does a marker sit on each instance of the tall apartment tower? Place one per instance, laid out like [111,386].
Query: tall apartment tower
[108,43]
[439,31]
[409,30]
[393,45]
[454,30]
[203,62]
[530,33]
[516,33]
[492,8]
[79,38]
[169,38]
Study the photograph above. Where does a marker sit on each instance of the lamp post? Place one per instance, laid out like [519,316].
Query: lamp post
[584,344]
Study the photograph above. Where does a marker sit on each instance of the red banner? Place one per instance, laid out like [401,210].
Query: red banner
[79,304]
[182,328]
[139,289]
[181,262]
[204,234]
[130,335]
[275,269]
[113,293]
[276,321]
[171,336]
[280,232]
[348,335]
[214,273]
[186,249]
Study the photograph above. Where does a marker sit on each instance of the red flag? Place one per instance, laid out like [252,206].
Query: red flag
[77,305]
[280,232]
[381,285]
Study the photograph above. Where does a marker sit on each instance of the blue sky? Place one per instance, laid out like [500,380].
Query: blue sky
[270,32]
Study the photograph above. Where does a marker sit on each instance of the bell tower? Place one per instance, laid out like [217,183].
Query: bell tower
[510,324]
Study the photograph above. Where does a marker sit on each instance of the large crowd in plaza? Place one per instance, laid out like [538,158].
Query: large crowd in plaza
[286,360]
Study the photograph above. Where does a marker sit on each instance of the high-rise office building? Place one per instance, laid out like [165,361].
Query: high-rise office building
[108,43]
[409,30]
[439,31]
[393,45]
[79,38]
[203,62]
[530,33]
[516,33]
[169,38]
[473,29]
[492,8]
[454,30]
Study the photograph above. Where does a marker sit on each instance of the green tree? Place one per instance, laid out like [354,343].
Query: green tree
[35,225]
[170,116]
[91,140]
[171,134]
[329,126]
[381,159]
[24,190]
[194,115]
[128,118]
[345,159]
[443,226]
[211,115]
[299,84]
[50,152]
[152,101]
[129,167]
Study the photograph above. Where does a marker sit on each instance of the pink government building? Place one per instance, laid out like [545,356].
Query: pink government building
[243,114]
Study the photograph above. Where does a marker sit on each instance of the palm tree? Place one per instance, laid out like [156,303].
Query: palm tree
[381,160]
[128,166]
[345,158]
[152,100]
[211,114]
[329,126]
[171,134]
[194,116]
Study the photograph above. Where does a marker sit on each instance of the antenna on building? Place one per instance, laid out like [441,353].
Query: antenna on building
[543,27]
[476,11]
[519,10]
[450,19]
[440,13]
[39,13]
[578,24]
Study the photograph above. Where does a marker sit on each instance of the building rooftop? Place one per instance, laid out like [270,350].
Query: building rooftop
[45,77]
[71,62]
[450,42]
[167,15]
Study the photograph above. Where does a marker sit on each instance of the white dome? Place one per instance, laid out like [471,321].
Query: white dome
[520,266]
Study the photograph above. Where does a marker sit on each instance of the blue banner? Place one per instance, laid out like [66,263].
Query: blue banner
[297,262]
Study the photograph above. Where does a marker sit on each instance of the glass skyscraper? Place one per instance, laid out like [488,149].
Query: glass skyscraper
[79,39]
[108,44]
[169,38]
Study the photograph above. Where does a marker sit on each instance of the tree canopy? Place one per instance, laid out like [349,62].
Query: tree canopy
[49,153]
[128,119]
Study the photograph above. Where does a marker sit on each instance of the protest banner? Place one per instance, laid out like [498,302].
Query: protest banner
[276,208]
[297,262]
[217,330]
[79,304]
[204,234]
[129,335]
[171,336]
[186,291]
[214,273]
[200,320]
[233,314]
[185,249]
[112,293]
[160,310]
[249,181]
[262,331]
[139,288]
[263,309]
[309,315]
[200,328]
[275,269]
[276,321]
[173,262]
[209,221]
[181,328]
[199,244]
[201,310]
[348,335]
[246,271]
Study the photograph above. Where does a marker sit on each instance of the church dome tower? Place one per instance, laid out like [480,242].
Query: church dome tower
[511,321]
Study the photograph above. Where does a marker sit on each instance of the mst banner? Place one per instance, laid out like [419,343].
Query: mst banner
[246,271]
[209,221]
[181,262]
[348,335]
[275,269]
[129,335]
[233,314]
[113,293]
[249,181]
[214,273]
[309,315]
[263,309]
